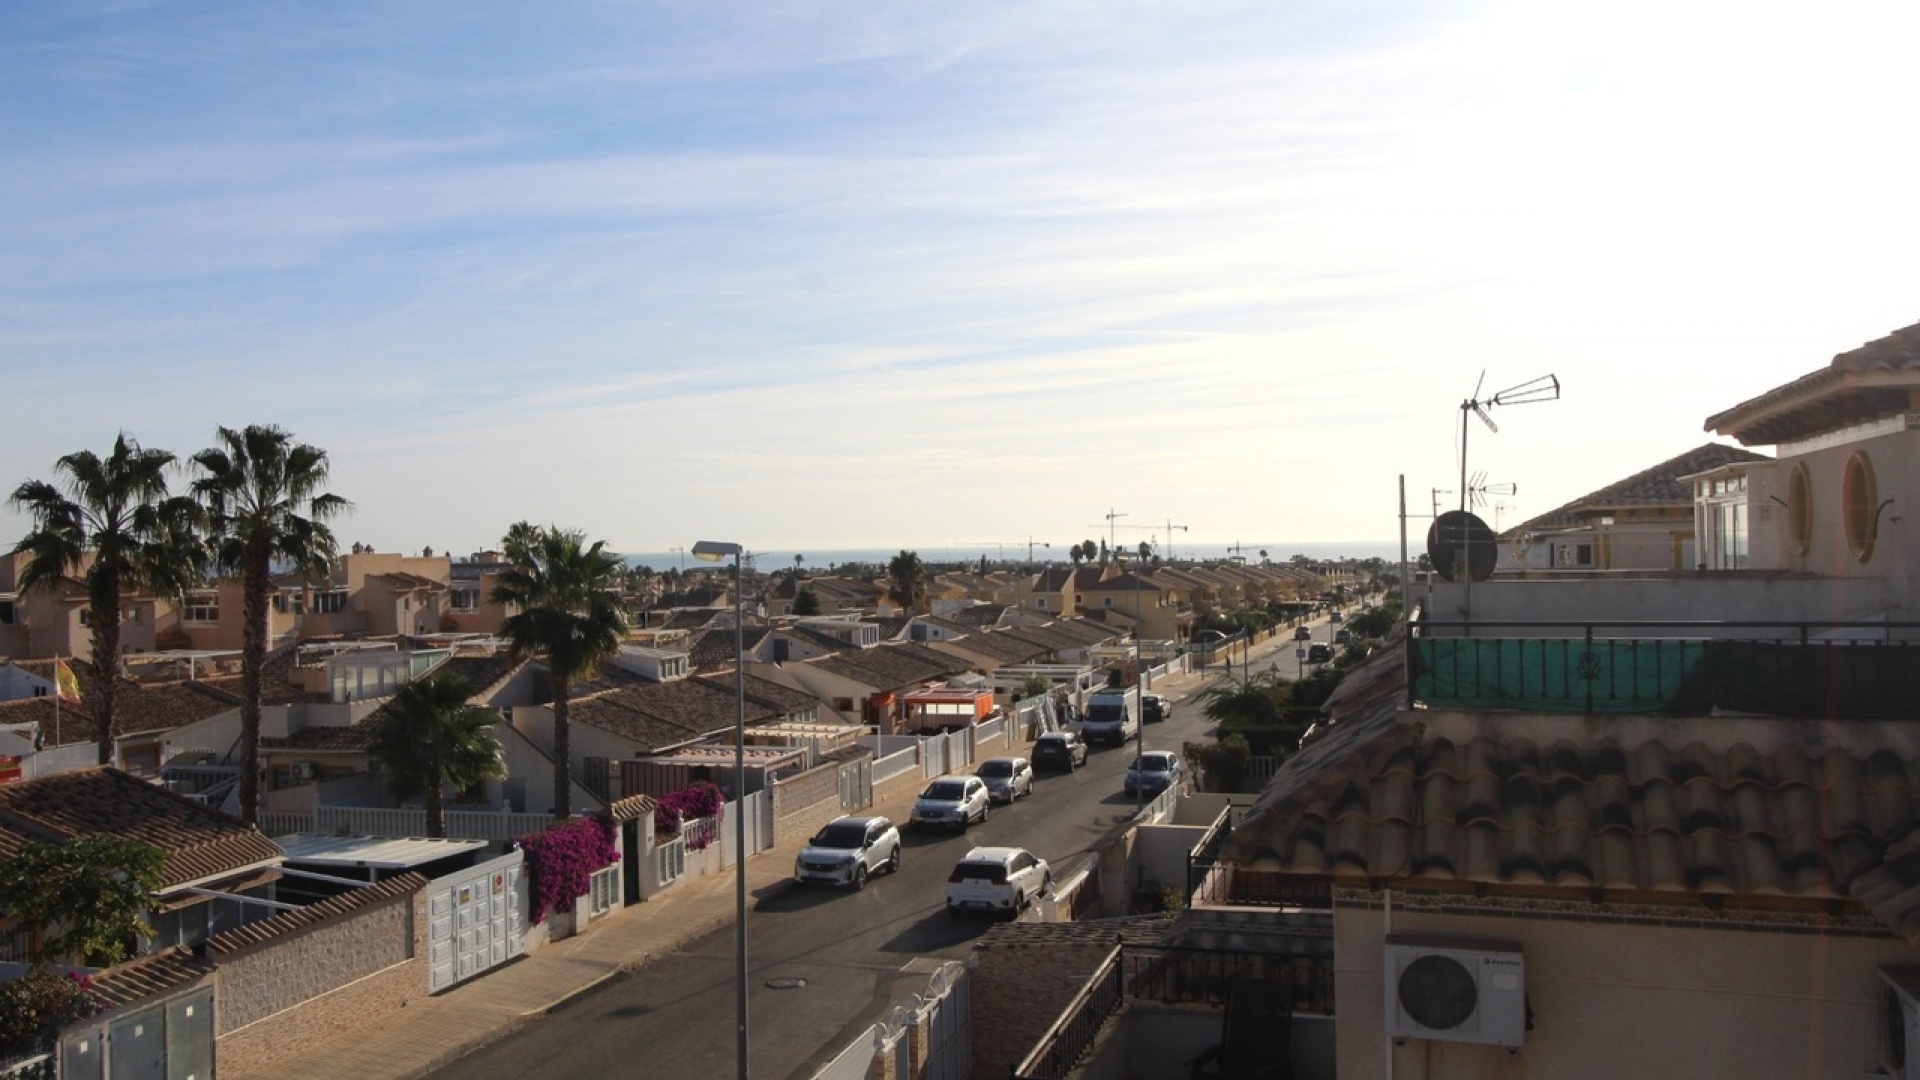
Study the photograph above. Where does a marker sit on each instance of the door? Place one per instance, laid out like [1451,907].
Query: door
[476,919]
[137,1047]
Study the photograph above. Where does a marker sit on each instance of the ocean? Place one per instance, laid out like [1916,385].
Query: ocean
[943,558]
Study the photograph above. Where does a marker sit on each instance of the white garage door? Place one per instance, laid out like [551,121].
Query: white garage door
[476,920]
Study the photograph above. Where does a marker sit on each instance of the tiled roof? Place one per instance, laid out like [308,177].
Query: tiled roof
[1656,486]
[400,579]
[978,616]
[147,977]
[1768,810]
[661,715]
[693,618]
[198,841]
[1000,646]
[712,650]
[1863,384]
[252,934]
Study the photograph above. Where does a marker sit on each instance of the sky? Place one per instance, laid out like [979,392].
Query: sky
[865,275]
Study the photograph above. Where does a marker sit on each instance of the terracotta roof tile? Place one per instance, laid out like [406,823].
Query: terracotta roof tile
[253,934]
[1725,806]
[147,977]
[1658,485]
[198,842]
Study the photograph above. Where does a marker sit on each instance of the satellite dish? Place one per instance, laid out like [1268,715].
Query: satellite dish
[1458,531]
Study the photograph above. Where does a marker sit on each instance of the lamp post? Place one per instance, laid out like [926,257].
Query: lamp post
[715,551]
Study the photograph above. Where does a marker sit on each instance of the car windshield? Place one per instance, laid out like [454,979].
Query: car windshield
[841,834]
[946,791]
[1101,714]
[1151,763]
[997,769]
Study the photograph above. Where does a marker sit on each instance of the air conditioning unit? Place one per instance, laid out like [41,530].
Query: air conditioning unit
[1900,1021]
[1456,989]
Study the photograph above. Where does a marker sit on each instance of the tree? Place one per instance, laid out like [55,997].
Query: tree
[907,581]
[1033,686]
[112,521]
[266,507]
[1076,553]
[1245,702]
[564,609]
[806,602]
[88,897]
[1146,550]
[431,738]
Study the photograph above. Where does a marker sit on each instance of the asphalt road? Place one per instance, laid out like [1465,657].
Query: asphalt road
[824,964]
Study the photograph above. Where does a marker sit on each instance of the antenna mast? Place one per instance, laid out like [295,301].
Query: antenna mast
[1544,388]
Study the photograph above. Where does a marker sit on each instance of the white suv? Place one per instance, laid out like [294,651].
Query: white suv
[997,881]
[848,850]
[952,802]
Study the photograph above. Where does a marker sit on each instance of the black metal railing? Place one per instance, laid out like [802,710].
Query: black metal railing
[1223,881]
[1769,668]
[1061,1049]
[1175,975]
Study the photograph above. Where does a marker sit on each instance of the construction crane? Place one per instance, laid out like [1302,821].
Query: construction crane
[1167,525]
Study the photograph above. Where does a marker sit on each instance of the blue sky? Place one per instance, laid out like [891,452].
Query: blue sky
[866,275]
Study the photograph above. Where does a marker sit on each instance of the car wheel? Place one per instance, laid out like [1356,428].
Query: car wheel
[893,860]
[860,876]
[984,807]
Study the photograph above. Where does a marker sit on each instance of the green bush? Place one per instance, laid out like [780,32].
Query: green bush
[37,1006]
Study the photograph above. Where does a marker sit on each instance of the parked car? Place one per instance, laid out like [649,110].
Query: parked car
[952,802]
[1334,618]
[1008,778]
[997,881]
[1155,708]
[1342,636]
[1154,772]
[848,850]
[1303,632]
[1319,653]
[1062,751]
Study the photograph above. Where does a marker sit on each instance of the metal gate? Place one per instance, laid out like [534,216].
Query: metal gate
[856,784]
[476,919]
[170,1040]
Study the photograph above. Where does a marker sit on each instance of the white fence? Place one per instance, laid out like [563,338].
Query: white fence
[941,1010]
[377,821]
[904,760]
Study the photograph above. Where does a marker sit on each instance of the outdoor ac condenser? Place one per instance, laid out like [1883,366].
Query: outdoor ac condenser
[1456,989]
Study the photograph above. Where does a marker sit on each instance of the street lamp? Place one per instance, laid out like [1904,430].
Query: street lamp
[716,551]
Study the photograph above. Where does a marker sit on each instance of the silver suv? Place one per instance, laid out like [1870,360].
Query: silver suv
[997,881]
[848,850]
[952,802]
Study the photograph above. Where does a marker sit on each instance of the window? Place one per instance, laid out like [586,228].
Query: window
[1860,505]
[1800,508]
[201,609]
[466,599]
[6,613]
[331,602]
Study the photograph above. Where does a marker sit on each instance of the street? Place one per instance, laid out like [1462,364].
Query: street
[826,963]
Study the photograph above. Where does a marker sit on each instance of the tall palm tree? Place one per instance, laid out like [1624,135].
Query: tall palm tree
[907,581]
[111,521]
[431,738]
[266,507]
[561,593]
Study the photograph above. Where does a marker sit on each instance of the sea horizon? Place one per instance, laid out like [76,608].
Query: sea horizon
[832,558]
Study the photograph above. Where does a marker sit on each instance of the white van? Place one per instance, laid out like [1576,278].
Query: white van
[1112,717]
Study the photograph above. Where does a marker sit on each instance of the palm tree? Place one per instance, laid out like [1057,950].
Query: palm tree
[430,738]
[565,609]
[1246,702]
[112,521]
[1076,553]
[266,507]
[907,581]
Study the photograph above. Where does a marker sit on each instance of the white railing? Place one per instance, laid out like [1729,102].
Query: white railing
[387,821]
[698,834]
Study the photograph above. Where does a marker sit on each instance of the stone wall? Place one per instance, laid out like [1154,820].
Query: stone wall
[286,988]
[806,801]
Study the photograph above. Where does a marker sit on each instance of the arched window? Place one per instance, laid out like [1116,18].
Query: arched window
[1800,508]
[1860,505]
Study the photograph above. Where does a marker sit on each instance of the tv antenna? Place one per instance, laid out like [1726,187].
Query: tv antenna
[1478,489]
[1544,388]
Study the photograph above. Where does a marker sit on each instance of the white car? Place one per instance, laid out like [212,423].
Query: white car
[997,881]
[952,802]
[1008,778]
[847,851]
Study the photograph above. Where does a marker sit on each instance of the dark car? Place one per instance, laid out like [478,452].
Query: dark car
[1342,636]
[1155,708]
[1319,653]
[1060,751]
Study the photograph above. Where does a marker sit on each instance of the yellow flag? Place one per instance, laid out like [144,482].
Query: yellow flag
[66,685]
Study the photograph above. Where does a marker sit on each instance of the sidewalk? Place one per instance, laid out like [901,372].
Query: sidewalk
[436,1031]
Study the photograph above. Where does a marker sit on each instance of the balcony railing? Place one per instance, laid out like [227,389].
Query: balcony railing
[1172,975]
[1767,668]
